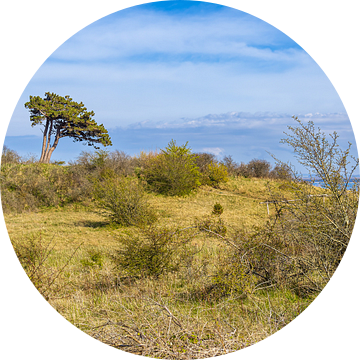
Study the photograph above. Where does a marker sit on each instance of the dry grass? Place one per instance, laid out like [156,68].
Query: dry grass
[177,316]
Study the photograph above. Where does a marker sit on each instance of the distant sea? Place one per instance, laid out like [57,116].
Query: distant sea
[320,183]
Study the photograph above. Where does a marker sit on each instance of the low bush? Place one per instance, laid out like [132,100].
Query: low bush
[29,187]
[125,201]
[94,259]
[231,165]
[203,160]
[9,157]
[217,209]
[217,173]
[231,278]
[174,171]
[103,163]
[259,168]
[281,171]
[152,252]
[243,170]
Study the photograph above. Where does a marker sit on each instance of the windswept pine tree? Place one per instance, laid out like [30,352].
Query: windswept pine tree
[63,117]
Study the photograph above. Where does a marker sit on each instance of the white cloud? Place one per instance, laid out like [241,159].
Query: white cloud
[128,93]
[141,32]
[216,150]
[247,120]
[123,91]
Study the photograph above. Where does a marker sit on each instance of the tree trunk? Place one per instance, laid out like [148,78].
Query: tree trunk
[51,149]
[44,141]
[49,136]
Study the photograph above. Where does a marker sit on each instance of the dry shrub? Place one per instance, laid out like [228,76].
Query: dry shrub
[101,162]
[231,165]
[27,187]
[32,186]
[203,160]
[34,255]
[243,170]
[211,225]
[153,329]
[143,161]
[259,168]
[9,157]
[281,171]
[122,163]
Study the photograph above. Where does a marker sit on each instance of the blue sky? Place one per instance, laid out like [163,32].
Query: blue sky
[219,78]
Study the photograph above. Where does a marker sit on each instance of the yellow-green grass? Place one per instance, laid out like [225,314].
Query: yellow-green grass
[174,316]
[74,224]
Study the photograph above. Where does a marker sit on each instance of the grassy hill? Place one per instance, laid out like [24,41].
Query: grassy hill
[175,255]
[180,314]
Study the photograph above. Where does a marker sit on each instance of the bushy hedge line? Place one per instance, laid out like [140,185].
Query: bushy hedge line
[32,186]
[257,168]
[176,170]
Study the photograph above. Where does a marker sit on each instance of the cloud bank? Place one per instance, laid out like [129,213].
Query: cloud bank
[160,63]
[151,73]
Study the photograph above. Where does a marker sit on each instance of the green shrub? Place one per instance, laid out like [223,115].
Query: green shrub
[217,173]
[231,276]
[28,187]
[173,171]
[152,252]
[217,209]
[94,259]
[125,200]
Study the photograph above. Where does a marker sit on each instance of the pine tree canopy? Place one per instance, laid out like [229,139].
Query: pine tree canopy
[63,117]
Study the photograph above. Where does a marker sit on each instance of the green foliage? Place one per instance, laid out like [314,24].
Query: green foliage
[33,186]
[95,259]
[218,209]
[58,162]
[173,171]
[152,252]
[98,159]
[217,173]
[231,277]
[212,172]
[125,200]
[63,117]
